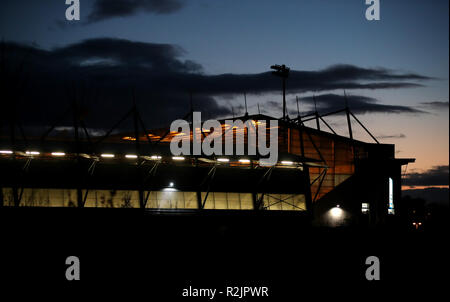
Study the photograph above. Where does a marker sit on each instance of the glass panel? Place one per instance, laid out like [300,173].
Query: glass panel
[190,200]
[220,200]
[285,202]
[246,201]
[234,201]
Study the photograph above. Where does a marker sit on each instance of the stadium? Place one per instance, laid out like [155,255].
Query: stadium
[321,177]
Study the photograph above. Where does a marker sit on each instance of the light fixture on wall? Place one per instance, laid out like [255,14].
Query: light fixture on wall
[336,212]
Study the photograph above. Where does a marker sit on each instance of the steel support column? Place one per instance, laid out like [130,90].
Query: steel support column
[80,202]
[265,178]
[138,167]
[1,197]
[307,186]
[207,180]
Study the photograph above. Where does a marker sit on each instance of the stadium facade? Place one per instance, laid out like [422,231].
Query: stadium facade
[327,178]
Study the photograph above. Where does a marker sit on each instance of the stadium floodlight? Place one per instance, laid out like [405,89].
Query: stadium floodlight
[58,153]
[244,161]
[155,157]
[223,160]
[107,155]
[287,162]
[178,158]
[32,153]
[131,156]
[283,72]
[6,152]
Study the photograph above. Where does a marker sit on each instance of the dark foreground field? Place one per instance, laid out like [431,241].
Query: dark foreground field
[157,255]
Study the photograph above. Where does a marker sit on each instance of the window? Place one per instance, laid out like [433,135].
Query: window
[228,200]
[365,208]
[283,202]
[391,209]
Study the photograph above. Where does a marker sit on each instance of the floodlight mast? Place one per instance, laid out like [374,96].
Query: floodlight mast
[283,72]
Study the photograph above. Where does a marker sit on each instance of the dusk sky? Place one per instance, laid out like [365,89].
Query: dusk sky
[395,71]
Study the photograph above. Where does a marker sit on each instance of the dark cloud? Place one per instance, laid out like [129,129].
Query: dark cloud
[357,104]
[349,72]
[437,176]
[112,53]
[435,105]
[430,195]
[106,9]
[400,135]
[334,77]
[102,74]
[105,71]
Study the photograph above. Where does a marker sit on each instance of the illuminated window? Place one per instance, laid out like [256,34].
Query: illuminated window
[365,208]
[283,202]
[228,200]
[391,209]
[169,198]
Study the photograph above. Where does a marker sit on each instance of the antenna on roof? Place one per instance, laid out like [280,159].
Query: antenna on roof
[259,111]
[191,107]
[315,103]
[347,112]
[298,108]
[345,98]
[316,112]
[245,101]
[232,110]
